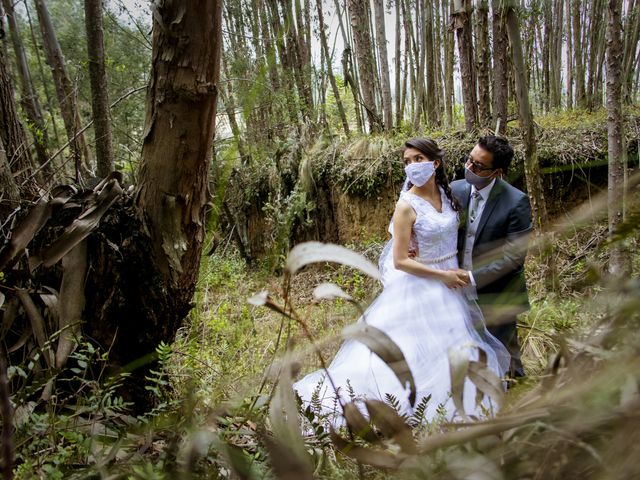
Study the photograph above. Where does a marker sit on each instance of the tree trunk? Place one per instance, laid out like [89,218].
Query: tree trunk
[332,79]
[569,55]
[449,96]
[483,61]
[30,101]
[10,197]
[398,67]
[99,92]
[431,93]
[531,167]
[12,134]
[618,260]
[364,54]
[581,97]
[64,90]
[462,26]
[631,40]
[500,68]
[381,40]
[178,136]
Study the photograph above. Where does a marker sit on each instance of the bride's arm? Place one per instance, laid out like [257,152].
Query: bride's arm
[403,219]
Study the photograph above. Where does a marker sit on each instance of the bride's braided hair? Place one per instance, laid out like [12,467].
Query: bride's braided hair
[430,148]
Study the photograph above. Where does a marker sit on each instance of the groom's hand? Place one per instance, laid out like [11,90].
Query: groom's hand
[463,275]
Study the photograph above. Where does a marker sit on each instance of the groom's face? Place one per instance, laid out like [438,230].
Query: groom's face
[480,162]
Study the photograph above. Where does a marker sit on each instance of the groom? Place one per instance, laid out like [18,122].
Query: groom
[492,241]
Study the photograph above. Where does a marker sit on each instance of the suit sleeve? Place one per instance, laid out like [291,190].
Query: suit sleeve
[510,257]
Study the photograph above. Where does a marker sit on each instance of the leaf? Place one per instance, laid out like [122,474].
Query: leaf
[381,344]
[358,424]
[391,425]
[1,299]
[458,367]
[72,301]
[24,233]
[487,381]
[375,457]
[284,418]
[259,299]
[330,291]
[82,226]
[314,252]
[37,323]
[285,465]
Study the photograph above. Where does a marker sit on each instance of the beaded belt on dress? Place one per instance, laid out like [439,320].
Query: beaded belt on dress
[436,260]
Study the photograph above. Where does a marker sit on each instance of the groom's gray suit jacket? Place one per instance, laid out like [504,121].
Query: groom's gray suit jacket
[498,256]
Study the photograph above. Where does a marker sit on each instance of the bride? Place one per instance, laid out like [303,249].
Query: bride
[421,308]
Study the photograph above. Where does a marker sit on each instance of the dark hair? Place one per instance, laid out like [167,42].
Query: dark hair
[430,148]
[500,149]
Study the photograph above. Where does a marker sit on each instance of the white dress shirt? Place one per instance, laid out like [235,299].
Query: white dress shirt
[470,237]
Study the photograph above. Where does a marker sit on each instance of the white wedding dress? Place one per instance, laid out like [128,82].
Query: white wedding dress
[425,319]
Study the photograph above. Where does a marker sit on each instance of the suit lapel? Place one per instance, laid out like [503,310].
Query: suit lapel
[492,201]
[464,198]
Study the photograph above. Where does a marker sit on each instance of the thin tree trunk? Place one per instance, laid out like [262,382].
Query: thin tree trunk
[500,68]
[332,80]
[569,55]
[581,96]
[364,54]
[43,79]
[430,66]
[483,61]
[631,41]
[30,101]
[99,90]
[462,26]
[398,67]
[449,47]
[381,40]
[619,259]
[64,90]
[531,167]
[420,58]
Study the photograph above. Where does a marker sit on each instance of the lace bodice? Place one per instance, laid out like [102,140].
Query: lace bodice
[435,232]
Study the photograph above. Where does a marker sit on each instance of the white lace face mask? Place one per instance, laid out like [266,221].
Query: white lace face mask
[420,173]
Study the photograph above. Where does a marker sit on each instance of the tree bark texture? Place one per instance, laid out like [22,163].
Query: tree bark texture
[500,68]
[578,61]
[12,133]
[364,54]
[64,89]
[531,167]
[30,102]
[332,79]
[618,261]
[381,40]
[483,61]
[178,136]
[462,26]
[99,91]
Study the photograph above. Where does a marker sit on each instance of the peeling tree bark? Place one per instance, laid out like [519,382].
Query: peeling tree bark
[178,137]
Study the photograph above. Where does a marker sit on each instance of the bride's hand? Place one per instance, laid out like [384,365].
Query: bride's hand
[454,278]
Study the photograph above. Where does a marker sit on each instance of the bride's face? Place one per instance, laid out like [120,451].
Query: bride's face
[413,155]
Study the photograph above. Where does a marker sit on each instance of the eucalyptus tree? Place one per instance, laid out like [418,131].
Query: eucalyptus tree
[359,13]
[619,260]
[29,95]
[483,63]
[12,134]
[381,40]
[64,90]
[99,90]
[462,25]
